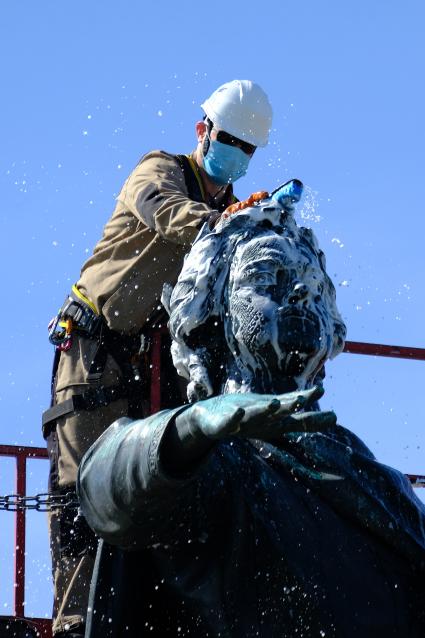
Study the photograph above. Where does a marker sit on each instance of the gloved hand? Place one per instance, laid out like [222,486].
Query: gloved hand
[246,203]
[286,196]
[214,217]
[259,416]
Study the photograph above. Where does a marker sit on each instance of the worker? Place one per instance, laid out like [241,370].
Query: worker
[99,333]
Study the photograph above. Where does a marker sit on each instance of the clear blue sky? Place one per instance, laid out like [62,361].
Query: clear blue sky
[87,88]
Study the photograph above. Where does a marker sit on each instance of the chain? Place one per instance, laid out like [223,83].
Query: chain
[47,502]
[40,502]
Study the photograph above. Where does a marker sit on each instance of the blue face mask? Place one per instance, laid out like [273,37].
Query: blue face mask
[224,163]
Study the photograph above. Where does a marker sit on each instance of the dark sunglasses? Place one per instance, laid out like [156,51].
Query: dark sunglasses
[226,138]
[230,140]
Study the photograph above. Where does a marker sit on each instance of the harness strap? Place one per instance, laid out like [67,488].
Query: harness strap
[195,188]
[89,400]
[191,177]
[98,362]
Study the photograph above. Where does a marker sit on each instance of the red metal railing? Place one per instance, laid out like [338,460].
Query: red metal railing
[380,350]
[397,352]
[22,453]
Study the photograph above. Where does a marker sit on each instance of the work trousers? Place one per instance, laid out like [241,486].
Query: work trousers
[72,543]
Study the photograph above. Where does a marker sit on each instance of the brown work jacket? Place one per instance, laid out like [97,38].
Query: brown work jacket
[143,245]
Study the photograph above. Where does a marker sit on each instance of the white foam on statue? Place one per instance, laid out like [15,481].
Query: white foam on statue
[232,269]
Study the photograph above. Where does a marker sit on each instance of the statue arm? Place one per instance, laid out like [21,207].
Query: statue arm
[267,417]
[136,481]
[125,494]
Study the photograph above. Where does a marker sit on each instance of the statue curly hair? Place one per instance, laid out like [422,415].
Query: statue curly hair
[229,318]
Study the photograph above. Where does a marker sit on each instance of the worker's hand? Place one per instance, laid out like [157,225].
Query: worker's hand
[246,203]
[214,217]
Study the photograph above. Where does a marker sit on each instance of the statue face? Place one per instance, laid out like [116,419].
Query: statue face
[282,318]
[259,281]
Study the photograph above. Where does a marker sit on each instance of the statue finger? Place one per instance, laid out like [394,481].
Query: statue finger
[291,402]
[232,423]
[309,422]
[294,401]
[313,394]
[261,411]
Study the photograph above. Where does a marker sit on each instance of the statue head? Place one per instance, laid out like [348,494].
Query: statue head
[253,308]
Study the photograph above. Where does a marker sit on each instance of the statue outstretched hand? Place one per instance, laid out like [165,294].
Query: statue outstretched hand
[258,416]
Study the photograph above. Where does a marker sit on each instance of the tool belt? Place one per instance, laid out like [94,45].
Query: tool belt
[78,316]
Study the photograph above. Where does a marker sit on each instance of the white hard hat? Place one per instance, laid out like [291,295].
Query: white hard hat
[241,108]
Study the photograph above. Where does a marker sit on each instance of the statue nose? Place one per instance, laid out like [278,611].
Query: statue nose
[299,293]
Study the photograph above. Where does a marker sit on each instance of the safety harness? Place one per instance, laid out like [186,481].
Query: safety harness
[79,316]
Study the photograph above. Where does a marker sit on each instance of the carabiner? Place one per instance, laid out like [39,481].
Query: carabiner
[67,340]
[60,333]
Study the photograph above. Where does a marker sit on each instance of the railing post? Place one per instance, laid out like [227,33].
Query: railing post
[19,584]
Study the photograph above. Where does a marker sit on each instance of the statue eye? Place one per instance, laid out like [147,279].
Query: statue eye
[263,278]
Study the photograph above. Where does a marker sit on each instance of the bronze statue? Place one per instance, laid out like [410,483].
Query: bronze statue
[249,512]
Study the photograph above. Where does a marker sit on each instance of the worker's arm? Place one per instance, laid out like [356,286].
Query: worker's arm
[157,194]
